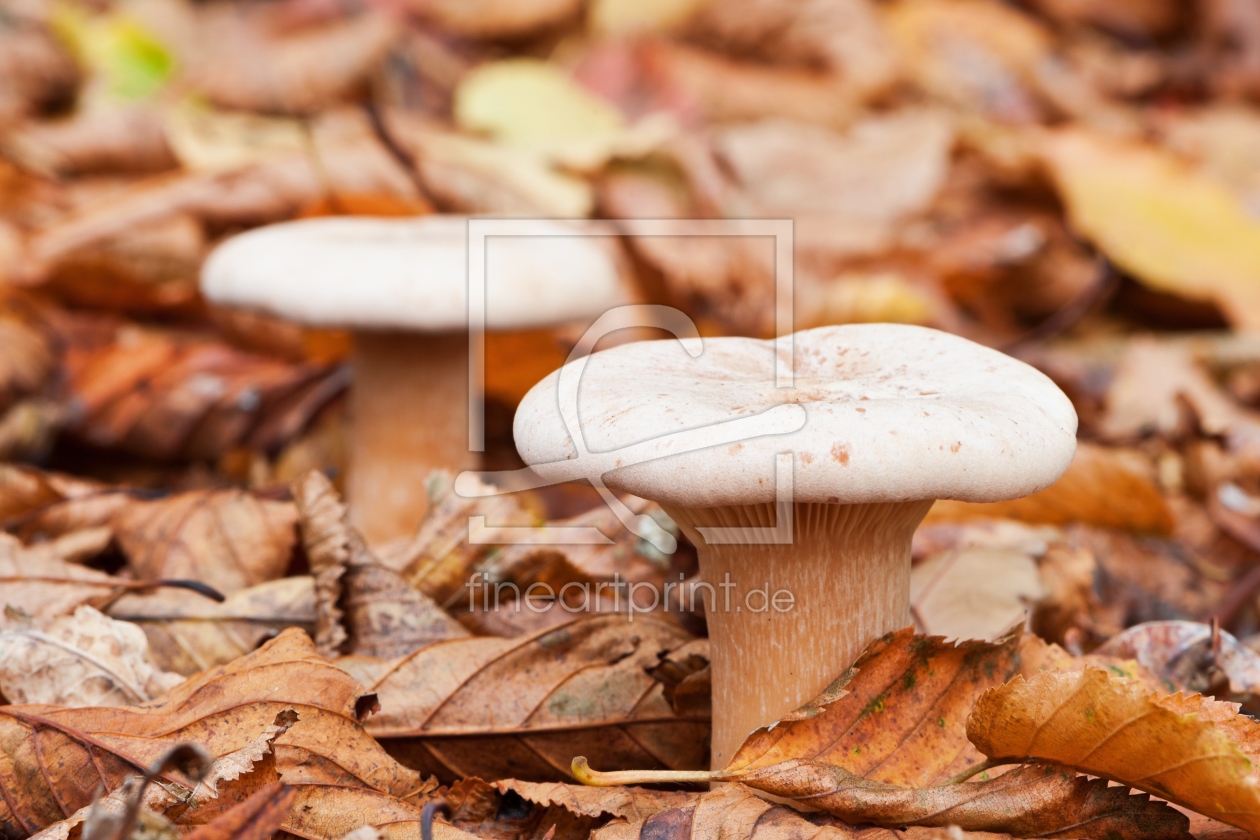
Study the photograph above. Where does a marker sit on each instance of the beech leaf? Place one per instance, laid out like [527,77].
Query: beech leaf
[1193,751]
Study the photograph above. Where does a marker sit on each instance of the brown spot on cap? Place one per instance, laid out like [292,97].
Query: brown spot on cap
[840,451]
[956,446]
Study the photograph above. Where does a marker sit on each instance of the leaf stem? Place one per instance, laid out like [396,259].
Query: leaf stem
[977,769]
[584,774]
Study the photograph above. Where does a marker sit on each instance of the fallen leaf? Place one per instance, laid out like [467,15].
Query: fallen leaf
[363,608]
[1154,380]
[238,64]
[105,140]
[1196,752]
[881,170]
[945,600]
[228,539]
[1191,657]
[631,803]
[41,504]
[188,633]
[871,746]
[736,811]
[521,708]
[704,86]
[223,710]
[976,53]
[1170,227]
[203,138]
[44,581]
[162,397]
[440,559]
[257,818]
[1107,487]
[38,73]
[494,19]
[84,659]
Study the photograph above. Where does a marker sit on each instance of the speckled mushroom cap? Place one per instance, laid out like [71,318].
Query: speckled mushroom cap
[408,274]
[892,413]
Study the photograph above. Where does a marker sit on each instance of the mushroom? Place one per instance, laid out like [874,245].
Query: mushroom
[401,286]
[895,417]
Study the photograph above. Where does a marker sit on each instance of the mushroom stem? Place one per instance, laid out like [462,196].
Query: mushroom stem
[848,574]
[409,416]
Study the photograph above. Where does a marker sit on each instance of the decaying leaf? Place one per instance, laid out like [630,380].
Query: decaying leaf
[44,581]
[945,600]
[257,818]
[1108,487]
[439,560]
[1196,752]
[84,659]
[522,708]
[228,539]
[877,743]
[223,710]
[189,633]
[363,607]
[1189,655]
[735,811]
[164,397]
[1169,226]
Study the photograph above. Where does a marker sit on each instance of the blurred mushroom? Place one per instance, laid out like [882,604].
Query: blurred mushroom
[402,287]
[895,417]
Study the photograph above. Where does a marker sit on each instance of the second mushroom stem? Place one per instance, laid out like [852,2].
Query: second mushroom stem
[846,576]
[409,416]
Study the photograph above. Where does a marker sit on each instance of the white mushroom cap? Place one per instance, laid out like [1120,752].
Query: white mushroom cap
[892,413]
[410,274]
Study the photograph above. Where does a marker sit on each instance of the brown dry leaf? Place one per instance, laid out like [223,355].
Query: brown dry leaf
[223,710]
[228,539]
[630,803]
[96,140]
[241,65]
[896,716]
[705,86]
[363,608]
[522,708]
[1037,801]
[494,19]
[974,53]
[188,633]
[1196,752]
[439,560]
[84,659]
[257,818]
[1188,655]
[846,37]
[36,72]
[872,745]
[165,397]
[1152,383]
[346,158]
[41,504]
[1155,217]
[1107,487]
[27,355]
[945,600]
[44,581]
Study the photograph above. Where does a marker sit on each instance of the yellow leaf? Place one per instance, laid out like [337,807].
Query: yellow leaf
[207,139]
[1157,218]
[533,105]
[1195,752]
